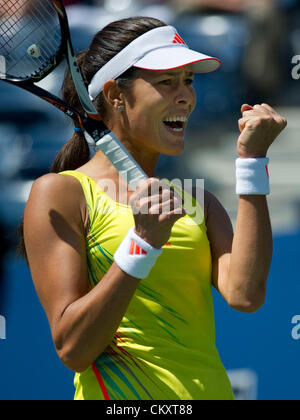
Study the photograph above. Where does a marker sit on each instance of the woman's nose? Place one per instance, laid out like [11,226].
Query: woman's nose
[185,96]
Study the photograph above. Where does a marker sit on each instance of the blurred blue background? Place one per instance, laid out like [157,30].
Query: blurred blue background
[258,349]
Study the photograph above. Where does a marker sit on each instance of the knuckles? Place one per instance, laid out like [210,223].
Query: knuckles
[263,115]
[284,122]
[266,121]
[153,197]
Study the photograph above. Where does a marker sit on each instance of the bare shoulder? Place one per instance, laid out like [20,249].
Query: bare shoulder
[56,183]
[214,211]
[57,192]
[211,203]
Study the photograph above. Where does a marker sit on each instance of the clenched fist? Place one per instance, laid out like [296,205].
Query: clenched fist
[156,208]
[259,127]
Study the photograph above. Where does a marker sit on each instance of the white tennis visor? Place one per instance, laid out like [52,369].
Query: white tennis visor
[158,50]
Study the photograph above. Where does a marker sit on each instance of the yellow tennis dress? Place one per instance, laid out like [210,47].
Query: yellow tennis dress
[164,348]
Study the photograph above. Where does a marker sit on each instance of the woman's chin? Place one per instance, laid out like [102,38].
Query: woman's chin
[176,146]
[179,150]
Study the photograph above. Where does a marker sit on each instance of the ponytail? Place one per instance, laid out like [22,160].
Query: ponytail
[73,155]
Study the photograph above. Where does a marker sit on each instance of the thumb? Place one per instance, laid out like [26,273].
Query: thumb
[246,107]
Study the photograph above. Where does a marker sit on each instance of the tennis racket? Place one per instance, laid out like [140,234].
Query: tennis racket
[34,40]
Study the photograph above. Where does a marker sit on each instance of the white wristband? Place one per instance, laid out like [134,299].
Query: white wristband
[135,256]
[252,176]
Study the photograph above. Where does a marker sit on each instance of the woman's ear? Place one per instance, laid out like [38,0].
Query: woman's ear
[112,94]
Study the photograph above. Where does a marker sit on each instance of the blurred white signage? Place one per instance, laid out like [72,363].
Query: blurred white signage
[244,383]
[2,328]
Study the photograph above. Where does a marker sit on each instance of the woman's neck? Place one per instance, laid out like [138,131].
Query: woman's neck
[146,162]
[101,170]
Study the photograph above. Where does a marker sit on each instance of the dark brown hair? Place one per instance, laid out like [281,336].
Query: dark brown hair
[106,44]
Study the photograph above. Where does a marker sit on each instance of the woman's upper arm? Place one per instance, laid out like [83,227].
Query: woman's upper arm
[55,243]
[220,235]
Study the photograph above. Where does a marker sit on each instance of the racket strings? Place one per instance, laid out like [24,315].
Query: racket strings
[45,40]
[30,37]
[12,10]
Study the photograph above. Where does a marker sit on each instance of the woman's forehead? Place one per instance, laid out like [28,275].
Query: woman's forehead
[186,71]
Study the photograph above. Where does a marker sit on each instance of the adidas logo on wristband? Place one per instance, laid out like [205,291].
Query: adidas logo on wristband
[135,256]
[136,250]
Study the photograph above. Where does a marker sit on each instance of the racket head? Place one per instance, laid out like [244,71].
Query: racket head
[31,40]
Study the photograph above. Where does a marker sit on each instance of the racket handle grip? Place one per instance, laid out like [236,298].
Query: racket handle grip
[118,155]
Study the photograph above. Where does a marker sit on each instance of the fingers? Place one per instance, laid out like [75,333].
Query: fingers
[249,112]
[264,112]
[278,118]
[155,197]
[167,207]
[263,108]
[242,122]
[269,108]
[256,110]
[153,188]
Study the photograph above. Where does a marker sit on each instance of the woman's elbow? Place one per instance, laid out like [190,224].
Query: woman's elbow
[75,357]
[69,358]
[249,305]
[68,354]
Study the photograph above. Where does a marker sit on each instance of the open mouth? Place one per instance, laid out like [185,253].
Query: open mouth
[176,124]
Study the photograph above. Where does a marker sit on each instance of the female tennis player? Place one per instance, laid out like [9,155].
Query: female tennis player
[126,280]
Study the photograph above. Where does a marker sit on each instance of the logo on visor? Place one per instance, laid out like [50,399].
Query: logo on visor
[178,40]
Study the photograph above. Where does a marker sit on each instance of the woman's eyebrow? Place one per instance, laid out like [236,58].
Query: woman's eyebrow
[189,74]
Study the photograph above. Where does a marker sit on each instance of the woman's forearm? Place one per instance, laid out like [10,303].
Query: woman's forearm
[251,253]
[87,326]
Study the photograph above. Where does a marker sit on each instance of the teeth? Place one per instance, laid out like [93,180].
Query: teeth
[176,119]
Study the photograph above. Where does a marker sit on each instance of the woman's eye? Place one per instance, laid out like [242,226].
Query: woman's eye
[165,82]
[189,81]
[168,82]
